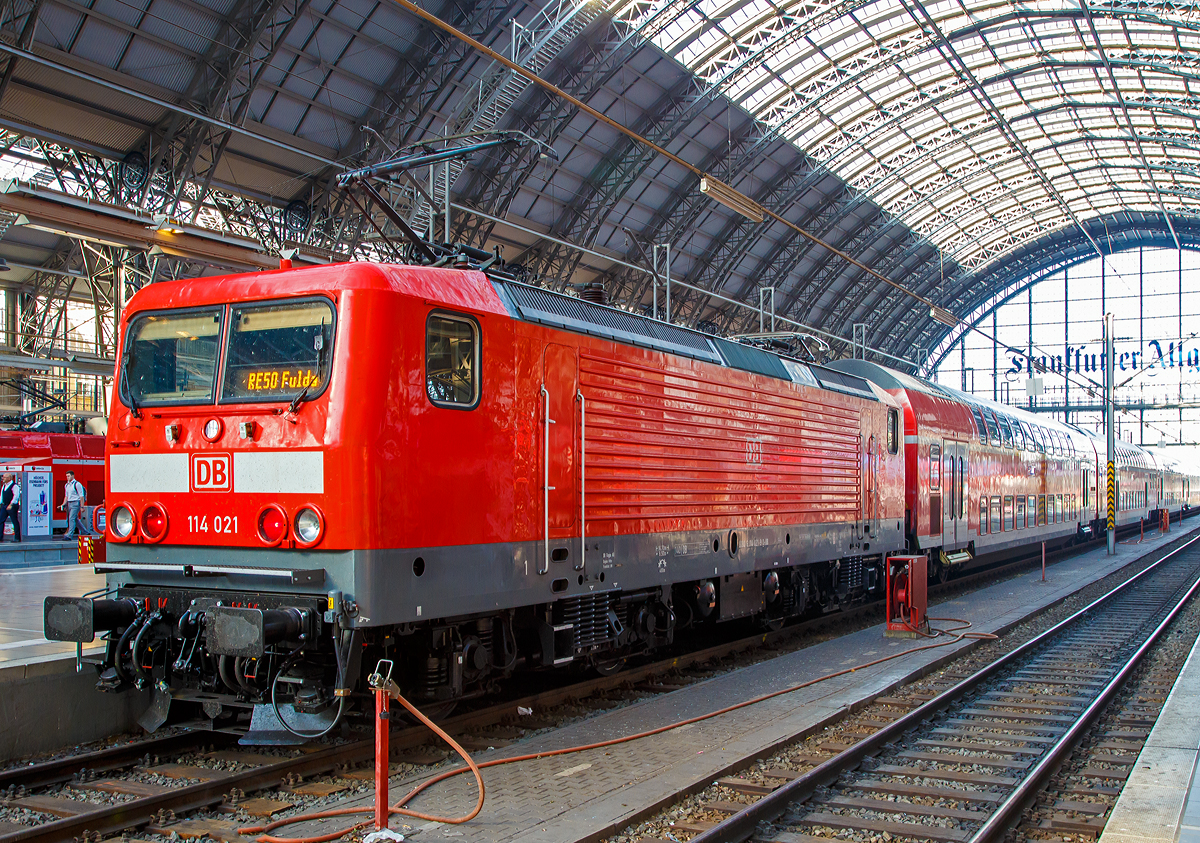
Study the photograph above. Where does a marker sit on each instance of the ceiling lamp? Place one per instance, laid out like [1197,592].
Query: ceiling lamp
[732,199]
[944,316]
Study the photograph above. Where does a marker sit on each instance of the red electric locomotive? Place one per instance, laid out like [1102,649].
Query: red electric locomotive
[311,469]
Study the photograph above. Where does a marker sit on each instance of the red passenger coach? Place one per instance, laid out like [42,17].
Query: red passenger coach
[312,469]
[983,477]
[58,453]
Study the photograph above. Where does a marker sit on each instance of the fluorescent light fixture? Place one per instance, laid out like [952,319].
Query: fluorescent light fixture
[943,316]
[732,199]
[164,223]
[65,231]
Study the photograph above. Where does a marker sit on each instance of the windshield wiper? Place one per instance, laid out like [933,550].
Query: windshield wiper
[133,405]
[300,396]
[320,344]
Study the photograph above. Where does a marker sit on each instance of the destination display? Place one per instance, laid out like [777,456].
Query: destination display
[279,380]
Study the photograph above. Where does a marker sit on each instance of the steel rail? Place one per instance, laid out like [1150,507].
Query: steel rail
[741,825]
[110,758]
[192,797]
[110,819]
[1009,812]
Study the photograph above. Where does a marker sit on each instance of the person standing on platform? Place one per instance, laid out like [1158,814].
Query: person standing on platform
[10,504]
[73,500]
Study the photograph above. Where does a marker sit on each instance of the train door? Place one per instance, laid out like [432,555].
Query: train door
[954,480]
[561,412]
[937,501]
[871,500]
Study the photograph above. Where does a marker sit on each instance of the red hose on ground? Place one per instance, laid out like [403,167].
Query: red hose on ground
[398,807]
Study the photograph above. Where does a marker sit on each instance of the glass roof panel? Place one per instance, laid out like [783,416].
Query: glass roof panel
[961,116]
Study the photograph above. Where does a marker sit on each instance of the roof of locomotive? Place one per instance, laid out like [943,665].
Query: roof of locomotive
[473,290]
[464,288]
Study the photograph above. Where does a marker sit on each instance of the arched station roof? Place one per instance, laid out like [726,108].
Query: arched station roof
[952,147]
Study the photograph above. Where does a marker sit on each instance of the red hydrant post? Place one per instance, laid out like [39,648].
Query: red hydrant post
[383,725]
[1043,561]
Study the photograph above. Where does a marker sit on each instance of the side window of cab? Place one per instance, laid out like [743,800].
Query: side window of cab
[452,360]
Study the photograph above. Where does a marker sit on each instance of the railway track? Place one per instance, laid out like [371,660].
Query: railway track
[967,763]
[154,782]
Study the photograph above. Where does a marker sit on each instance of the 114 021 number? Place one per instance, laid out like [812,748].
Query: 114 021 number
[219,524]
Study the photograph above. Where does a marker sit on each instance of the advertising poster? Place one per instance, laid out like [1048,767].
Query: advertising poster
[37,498]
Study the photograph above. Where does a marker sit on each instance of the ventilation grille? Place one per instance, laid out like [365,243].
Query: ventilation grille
[547,308]
[589,617]
[750,359]
[842,382]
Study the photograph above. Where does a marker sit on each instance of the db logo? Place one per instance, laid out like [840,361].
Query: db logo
[210,473]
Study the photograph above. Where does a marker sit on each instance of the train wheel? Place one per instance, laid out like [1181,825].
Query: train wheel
[770,624]
[608,667]
[940,572]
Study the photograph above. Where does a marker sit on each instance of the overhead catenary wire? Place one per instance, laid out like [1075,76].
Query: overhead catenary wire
[450,29]
[742,200]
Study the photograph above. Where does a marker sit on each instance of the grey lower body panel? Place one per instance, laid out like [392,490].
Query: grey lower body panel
[414,585]
[456,581]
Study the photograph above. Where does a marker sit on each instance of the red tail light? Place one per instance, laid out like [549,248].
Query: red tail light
[272,524]
[153,522]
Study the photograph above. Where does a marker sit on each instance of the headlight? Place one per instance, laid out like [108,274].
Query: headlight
[213,429]
[121,522]
[272,525]
[309,526]
[154,522]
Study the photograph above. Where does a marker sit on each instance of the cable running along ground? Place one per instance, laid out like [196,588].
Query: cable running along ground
[954,635]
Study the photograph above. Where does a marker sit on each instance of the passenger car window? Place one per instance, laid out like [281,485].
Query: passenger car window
[993,429]
[452,361]
[979,425]
[171,358]
[1006,436]
[278,351]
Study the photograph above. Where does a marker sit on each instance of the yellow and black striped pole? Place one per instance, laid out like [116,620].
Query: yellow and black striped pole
[1109,423]
[1112,497]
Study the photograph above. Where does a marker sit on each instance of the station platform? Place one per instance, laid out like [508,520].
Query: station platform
[1160,802]
[594,794]
[44,703]
[38,554]
[22,592]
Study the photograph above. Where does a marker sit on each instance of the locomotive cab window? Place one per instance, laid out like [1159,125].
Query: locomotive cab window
[893,431]
[171,358]
[278,351]
[452,361]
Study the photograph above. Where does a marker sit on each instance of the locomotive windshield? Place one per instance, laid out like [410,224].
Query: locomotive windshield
[171,358]
[277,351]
